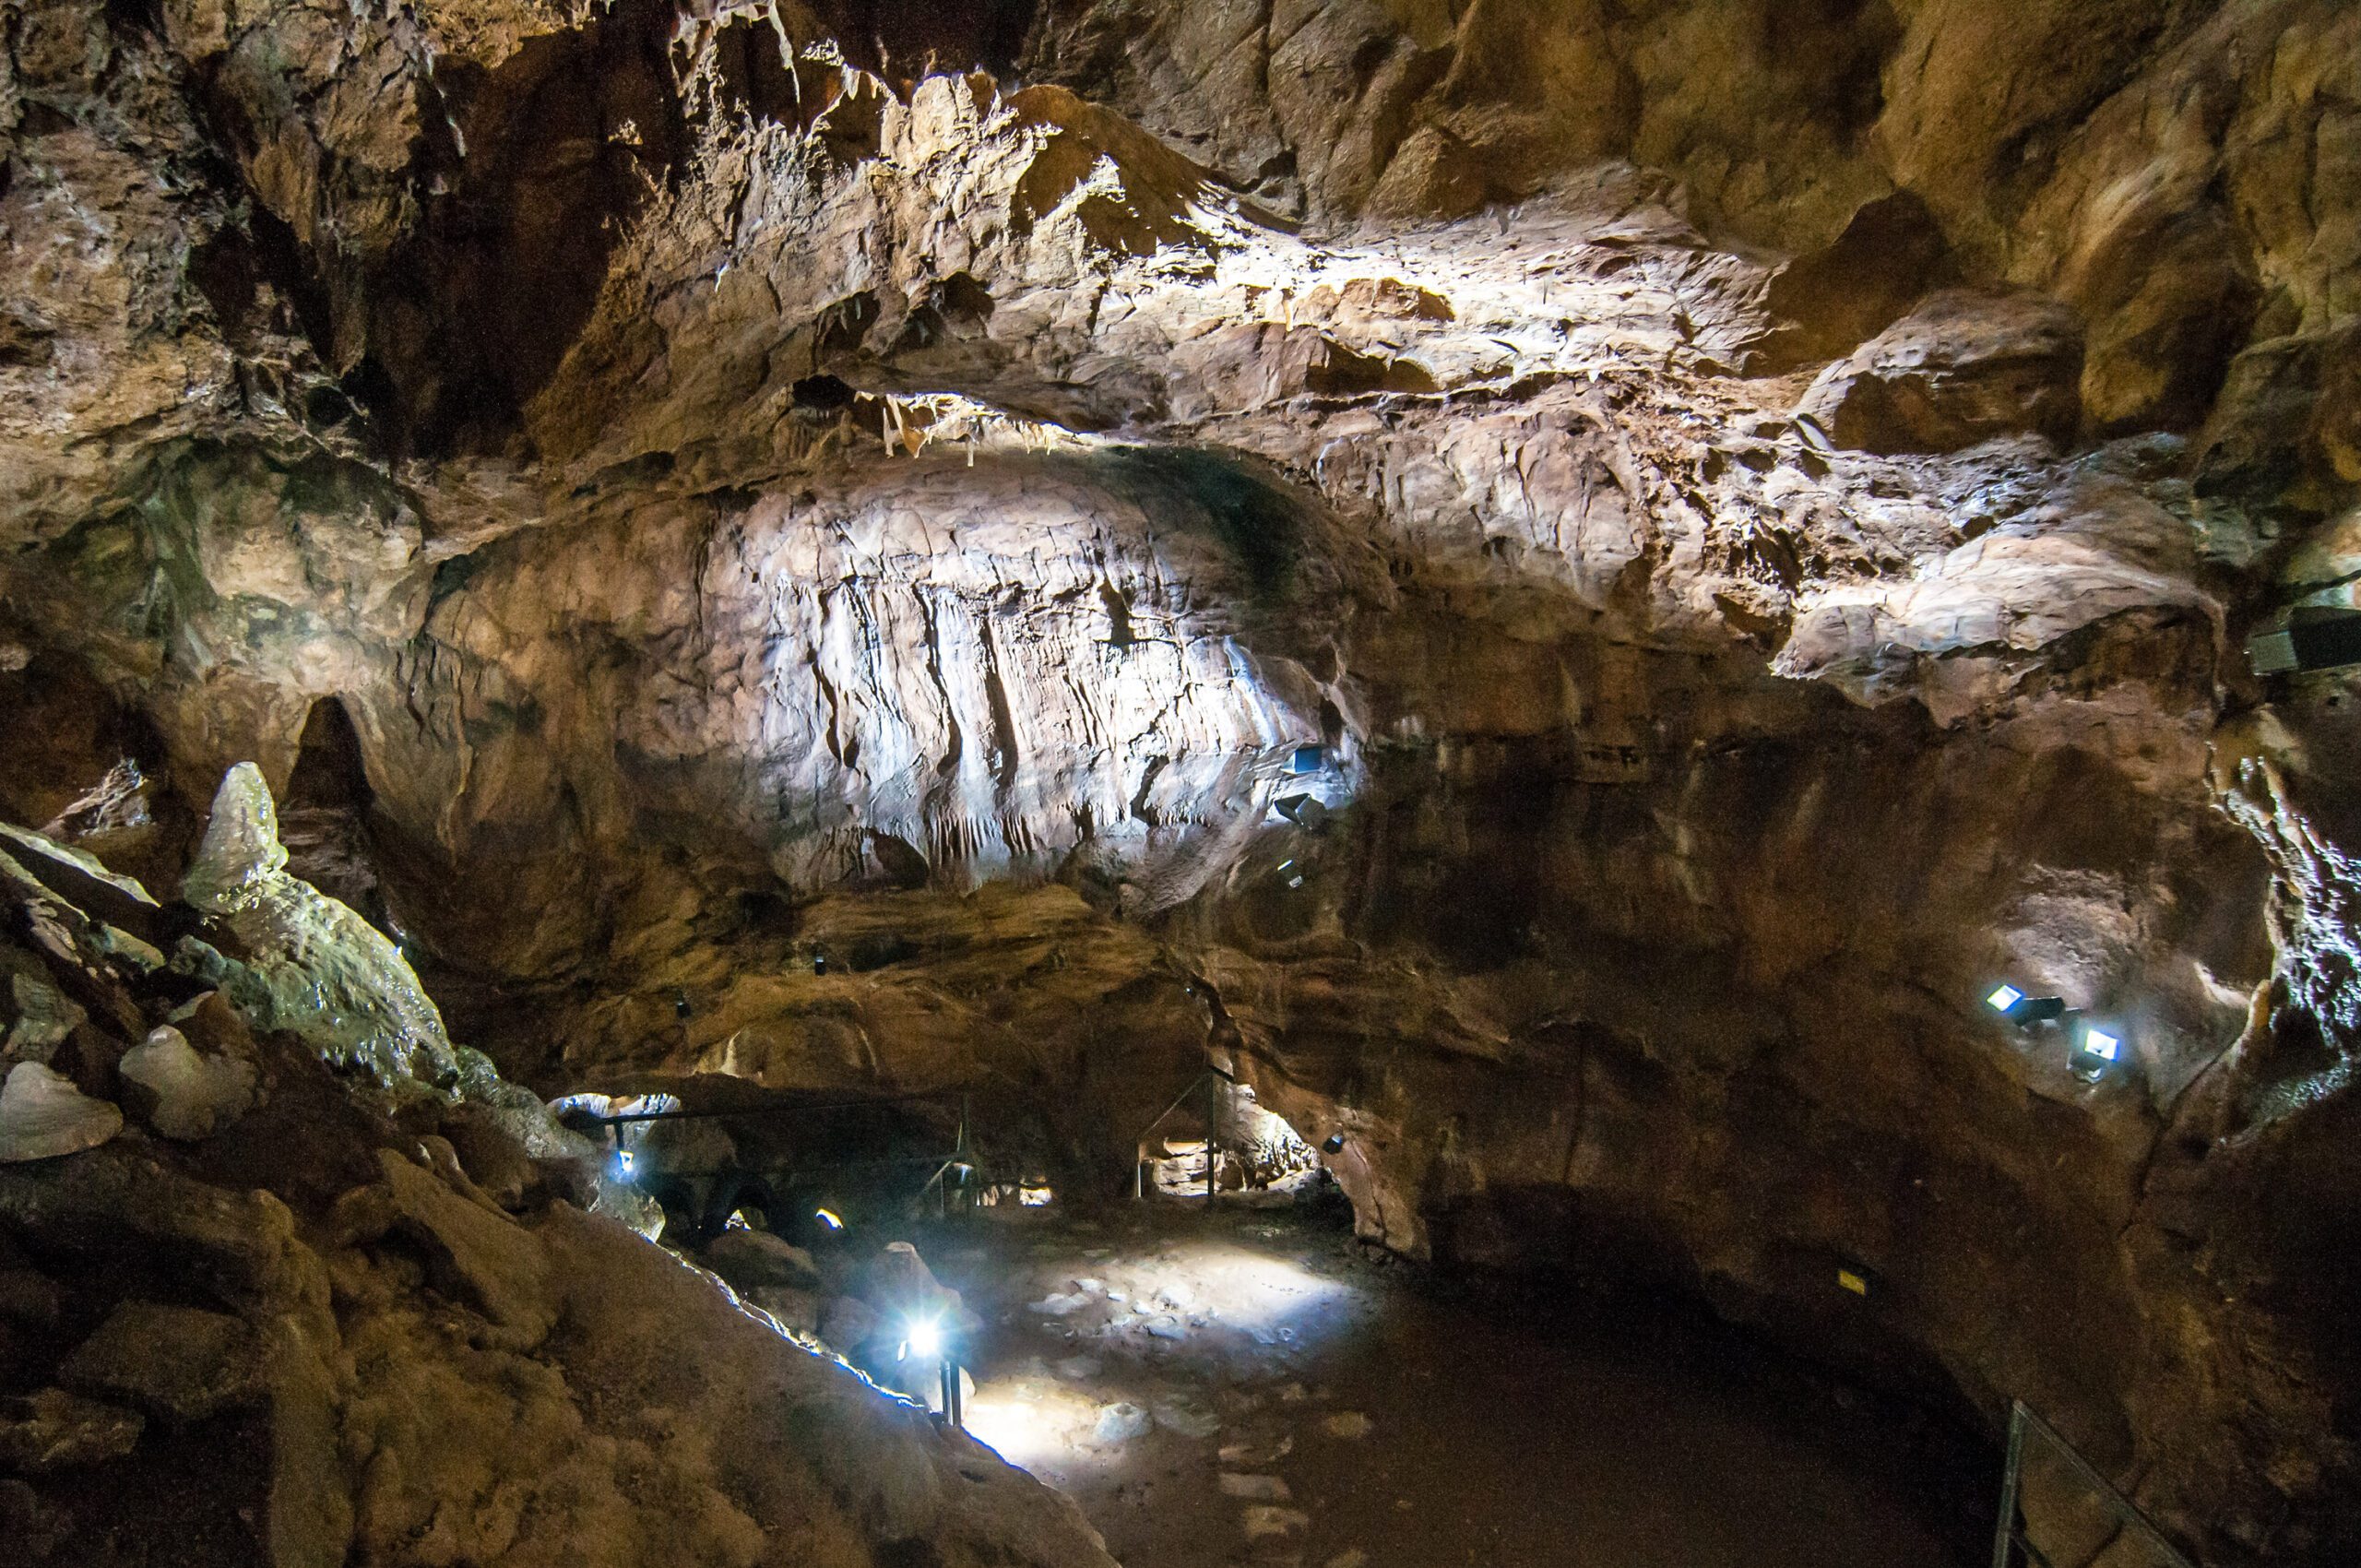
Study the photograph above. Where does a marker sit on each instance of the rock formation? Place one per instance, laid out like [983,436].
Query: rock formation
[1564,587]
[365,1356]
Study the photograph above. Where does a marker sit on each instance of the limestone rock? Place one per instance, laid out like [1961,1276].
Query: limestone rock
[309,965]
[193,1096]
[1960,369]
[38,1527]
[114,1207]
[241,854]
[474,1253]
[43,1116]
[752,1259]
[51,1429]
[846,1321]
[44,1016]
[29,1298]
[1122,1422]
[176,1364]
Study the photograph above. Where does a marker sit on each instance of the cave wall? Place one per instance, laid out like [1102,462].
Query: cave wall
[833,566]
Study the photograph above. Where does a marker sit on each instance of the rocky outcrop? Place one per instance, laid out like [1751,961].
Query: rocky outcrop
[387,1366]
[839,571]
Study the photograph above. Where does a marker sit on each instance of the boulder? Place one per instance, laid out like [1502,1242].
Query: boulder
[45,1016]
[33,1527]
[52,1430]
[491,1154]
[43,1115]
[752,1259]
[191,1096]
[121,1209]
[1962,368]
[797,1311]
[847,1323]
[474,1253]
[30,1298]
[177,1365]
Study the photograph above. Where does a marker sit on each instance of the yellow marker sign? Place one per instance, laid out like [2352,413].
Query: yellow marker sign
[1852,1281]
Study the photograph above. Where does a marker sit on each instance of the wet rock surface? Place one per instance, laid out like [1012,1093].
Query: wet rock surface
[1562,588]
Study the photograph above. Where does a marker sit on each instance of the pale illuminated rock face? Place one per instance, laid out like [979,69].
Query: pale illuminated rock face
[1568,587]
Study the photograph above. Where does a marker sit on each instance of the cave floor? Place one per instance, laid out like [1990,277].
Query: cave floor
[1229,1384]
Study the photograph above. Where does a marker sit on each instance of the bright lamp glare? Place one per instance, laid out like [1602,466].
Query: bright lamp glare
[828,1219]
[2101,1044]
[926,1339]
[2008,996]
[625,1160]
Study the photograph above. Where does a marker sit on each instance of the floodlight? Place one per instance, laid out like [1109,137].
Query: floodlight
[1308,759]
[625,1162]
[2021,1010]
[926,1339]
[2316,637]
[1335,1143]
[2095,1053]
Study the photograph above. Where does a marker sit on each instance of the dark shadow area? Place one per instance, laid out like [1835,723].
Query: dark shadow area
[902,41]
[532,174]
[323,815]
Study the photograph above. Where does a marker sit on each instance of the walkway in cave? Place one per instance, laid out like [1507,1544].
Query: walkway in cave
[1233,1386]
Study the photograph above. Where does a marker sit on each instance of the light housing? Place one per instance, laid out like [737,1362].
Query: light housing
[2021,1010]
[2316,637]
[2096,1050]
[925,1339]
[1335,1143]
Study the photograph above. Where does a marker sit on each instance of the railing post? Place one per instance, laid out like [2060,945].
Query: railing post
[1213,1148]
[2007,1530]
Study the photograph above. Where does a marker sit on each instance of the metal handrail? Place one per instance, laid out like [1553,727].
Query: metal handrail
[2127,1513]
[959,1154]
[871,1103]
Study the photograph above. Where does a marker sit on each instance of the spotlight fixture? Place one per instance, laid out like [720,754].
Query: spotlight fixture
[1308,759]
[827,1217]
[2314,638]
[2024,1011]
[2095,1053]
[1334,1144]
[626,1163]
